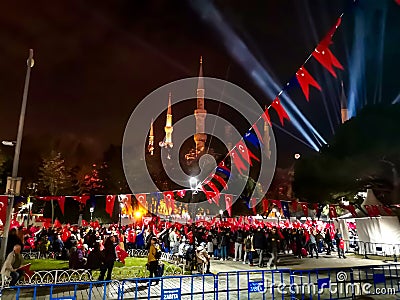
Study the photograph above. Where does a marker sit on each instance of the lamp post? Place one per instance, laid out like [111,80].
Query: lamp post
[13,190]
[193,187]
[121,205]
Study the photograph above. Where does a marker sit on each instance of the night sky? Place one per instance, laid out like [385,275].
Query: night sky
[95,60]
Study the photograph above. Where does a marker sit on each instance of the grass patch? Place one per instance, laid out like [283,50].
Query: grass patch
[54,264]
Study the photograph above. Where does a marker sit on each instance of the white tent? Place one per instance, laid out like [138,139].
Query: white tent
[379,235]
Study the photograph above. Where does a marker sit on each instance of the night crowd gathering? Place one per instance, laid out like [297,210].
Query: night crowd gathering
[96,247]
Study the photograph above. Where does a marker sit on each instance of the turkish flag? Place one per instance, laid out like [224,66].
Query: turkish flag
[332,211]
[387,209]
[3,209]
[294,205]
[61,203]
[277,203]
[265,205]
[254,205]
[121,254]
[370,211]
[228,203]
[141,198]
[305,80]
[304,207]
[246,153]
[57,224]
[110,199]
[282,114]
[169,200]
[84,223]
[181,193]
[81,199]
[326,58]
[237,161]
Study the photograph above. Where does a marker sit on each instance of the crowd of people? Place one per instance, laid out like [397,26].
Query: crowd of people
[95,248]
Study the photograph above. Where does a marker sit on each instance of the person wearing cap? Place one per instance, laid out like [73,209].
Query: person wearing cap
[152,261]
[203,257]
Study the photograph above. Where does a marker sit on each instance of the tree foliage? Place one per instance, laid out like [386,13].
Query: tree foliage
[54,177]
[364,153]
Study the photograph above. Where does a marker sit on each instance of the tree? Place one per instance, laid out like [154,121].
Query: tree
[364,153]
[92,183]
[54,178]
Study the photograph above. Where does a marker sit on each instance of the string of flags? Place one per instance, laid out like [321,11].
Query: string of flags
[168,198]
[244,153]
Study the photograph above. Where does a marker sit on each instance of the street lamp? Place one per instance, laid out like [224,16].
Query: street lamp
[91,213]
[121,206]
[193,186]
[9,143]
[29,63]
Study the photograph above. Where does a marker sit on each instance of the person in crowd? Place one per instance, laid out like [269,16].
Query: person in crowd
[328,241]
[152,258]
[203,258]
[13,240]
[320,241]
[210,246]
[215,245]
[140,241]
[248,249]
[239,238]
[58,245]
[224,245]
[339,244]
[273,242]
[95,259]
[313,244]
[173,239]
[12,264]
[76,259]
[260,244]
[110,257]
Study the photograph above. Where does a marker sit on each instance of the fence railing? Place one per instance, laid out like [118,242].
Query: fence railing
[341,283]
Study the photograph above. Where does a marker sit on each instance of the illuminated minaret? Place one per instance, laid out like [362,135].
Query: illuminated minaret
[150,147]
[343,106]
[200,113]
[168,127]
[267,139]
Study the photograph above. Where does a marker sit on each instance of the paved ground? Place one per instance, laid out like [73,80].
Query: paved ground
[235,285]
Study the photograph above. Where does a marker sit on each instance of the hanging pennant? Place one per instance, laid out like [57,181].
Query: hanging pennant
[285,209]
[168,198]
[181,193]
[327,40]
[61,203]
[246,153]
[255,128]
[254,205]
[252,139]
[304,207]
[276,104]
[305,80]
[351,209]
[277,203]
[238,162]
[387,210]
[332,212]
[81,199]
[110,199]
[141,198]
[370,211]
[222,168]
[266,117]
[265,205]
[294,205]
[326,58]
[216,192]
[220,180]
[376,210]
[3,209]
[228,203]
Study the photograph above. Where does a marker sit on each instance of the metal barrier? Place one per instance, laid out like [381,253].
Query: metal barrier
[343,283]
[379,249]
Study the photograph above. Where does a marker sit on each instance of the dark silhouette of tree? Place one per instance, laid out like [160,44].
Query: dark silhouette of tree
[364,153]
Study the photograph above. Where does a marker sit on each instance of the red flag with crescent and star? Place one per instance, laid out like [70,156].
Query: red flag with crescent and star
[3,209]
[110,199]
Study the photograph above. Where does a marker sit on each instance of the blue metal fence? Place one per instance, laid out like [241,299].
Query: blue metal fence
[341,283]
